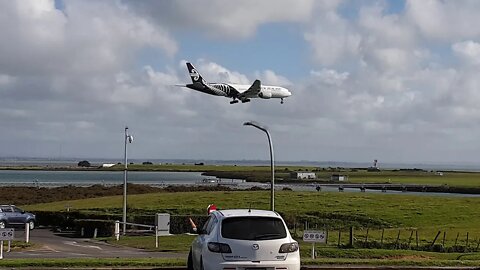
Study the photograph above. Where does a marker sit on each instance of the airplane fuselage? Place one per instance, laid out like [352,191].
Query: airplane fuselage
[231,90]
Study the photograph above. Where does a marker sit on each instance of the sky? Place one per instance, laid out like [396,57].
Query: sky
[392,80]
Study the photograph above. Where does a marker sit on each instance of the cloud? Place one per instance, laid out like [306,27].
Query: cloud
[270,77]
[66,72]
[385,29]
[330,76]
[85,38]
[468,51]
[213,72]
[218,19]
[332,38]
[444,20]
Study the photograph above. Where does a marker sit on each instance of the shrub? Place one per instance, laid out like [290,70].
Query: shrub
[83,163]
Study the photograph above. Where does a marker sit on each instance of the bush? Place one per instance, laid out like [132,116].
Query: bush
[83,163]
[104,228]
[105,222]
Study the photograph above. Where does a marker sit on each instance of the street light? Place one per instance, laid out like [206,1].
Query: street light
[272,166]
[128,139]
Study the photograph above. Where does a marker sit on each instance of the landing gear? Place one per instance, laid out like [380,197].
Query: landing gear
[234,101]
[246,100]
[281,101]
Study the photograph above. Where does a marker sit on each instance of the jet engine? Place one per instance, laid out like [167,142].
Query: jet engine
[266,94]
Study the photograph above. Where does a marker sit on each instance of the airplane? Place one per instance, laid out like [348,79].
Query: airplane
[237,92]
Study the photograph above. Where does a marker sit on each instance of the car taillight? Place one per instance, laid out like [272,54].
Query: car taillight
[288,247]
[219,247]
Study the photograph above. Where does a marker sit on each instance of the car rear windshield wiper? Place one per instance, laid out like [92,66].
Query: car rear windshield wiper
[267,236]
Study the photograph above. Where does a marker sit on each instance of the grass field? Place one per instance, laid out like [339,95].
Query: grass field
[427,214]
[408,215]
[394,209]
[390,209]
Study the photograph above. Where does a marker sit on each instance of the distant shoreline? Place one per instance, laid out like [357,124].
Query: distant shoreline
[72,162]
[261,174]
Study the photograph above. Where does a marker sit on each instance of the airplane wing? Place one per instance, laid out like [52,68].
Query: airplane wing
[252,91]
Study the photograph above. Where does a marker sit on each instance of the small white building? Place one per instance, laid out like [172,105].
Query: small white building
[339,178]
[108,165]
[303,175]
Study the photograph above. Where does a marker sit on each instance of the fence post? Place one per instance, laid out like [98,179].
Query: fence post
[456,240]
[398,239]
[435,240]
[410,238]
[27,233]
[416,236]
[339,236]
[466,244]
[366,239]
[117,230]
[1,249]
[478,244]
[350,240]
[443,241]
[156,236]
[381,241]
[326,236]
[295,227]
[313,250]
[95,233]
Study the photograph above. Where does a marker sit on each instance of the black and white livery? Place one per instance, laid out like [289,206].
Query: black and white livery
[237,92]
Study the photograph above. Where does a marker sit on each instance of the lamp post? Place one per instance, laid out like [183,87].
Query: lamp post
[272,165]
[128,139]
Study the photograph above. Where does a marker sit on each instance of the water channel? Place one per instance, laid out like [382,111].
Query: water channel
[109,178]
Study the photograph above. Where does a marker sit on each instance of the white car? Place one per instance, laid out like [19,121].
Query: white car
[244,239]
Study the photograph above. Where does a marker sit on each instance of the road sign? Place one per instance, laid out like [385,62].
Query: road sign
[7,234]
[315,236]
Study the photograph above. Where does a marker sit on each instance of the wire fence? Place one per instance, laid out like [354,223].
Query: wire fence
[397,238]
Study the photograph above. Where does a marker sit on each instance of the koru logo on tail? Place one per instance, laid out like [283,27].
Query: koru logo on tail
[194,74]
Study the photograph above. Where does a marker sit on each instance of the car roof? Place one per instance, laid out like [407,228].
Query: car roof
[246,212]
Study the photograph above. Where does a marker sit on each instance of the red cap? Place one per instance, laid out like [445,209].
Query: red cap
[211,208]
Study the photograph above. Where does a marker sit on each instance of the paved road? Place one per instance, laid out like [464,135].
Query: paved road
[57,245]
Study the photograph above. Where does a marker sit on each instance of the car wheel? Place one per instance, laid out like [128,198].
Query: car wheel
[2,224]
[31,224]
[189,261]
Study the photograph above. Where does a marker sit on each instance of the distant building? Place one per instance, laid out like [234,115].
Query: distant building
[339,178]
[375,167]
[303,175]
[108,165]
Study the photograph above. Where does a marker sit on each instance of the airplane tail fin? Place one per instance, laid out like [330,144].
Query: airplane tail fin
[194,75]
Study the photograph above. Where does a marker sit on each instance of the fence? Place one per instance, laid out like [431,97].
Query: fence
[397,238]
[354,235]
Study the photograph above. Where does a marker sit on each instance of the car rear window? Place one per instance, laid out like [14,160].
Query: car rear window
[253,228]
